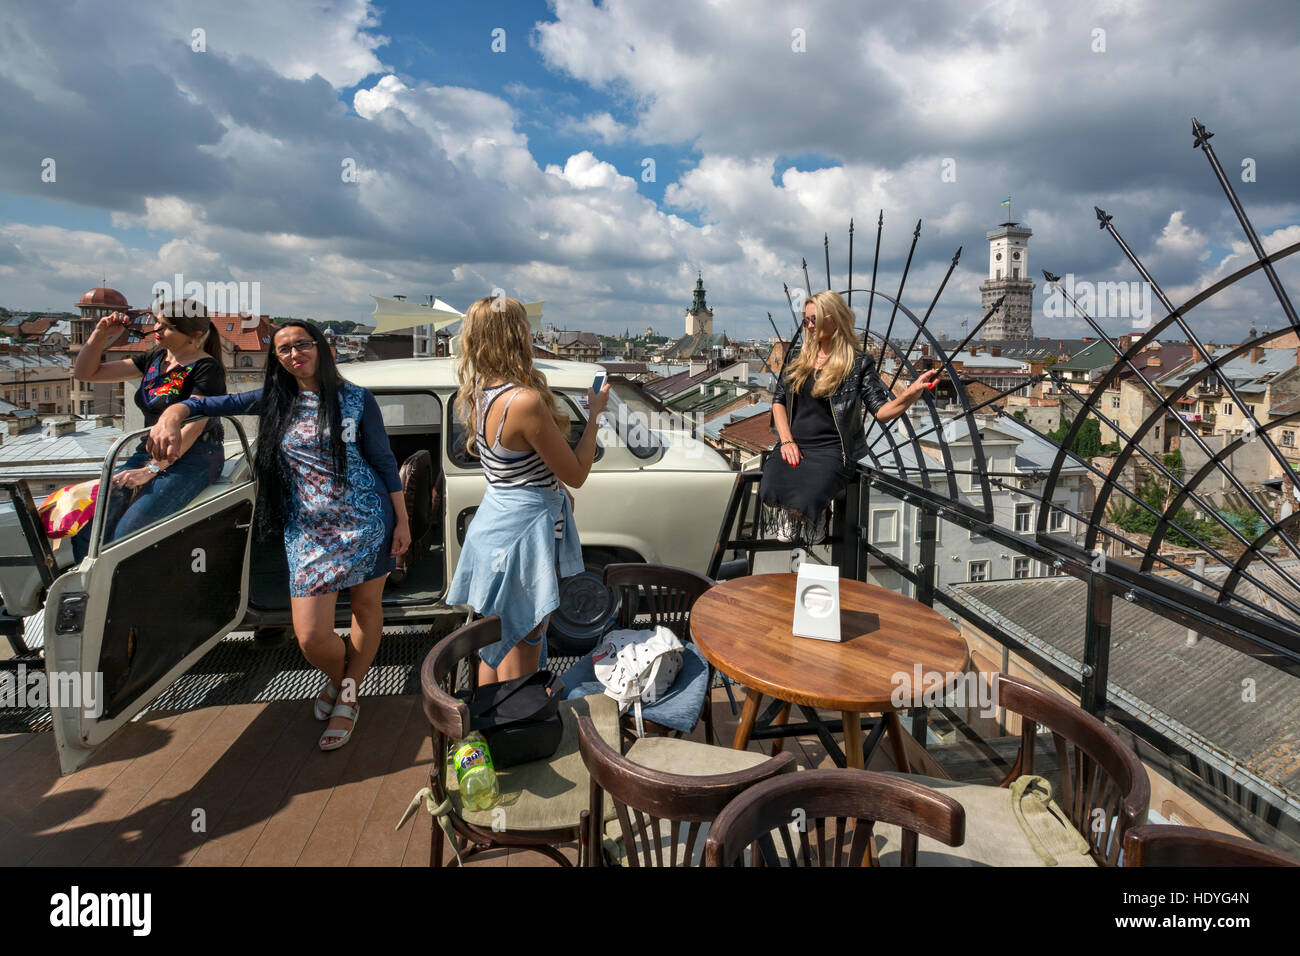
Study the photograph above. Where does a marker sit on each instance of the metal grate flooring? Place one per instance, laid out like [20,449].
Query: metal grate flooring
[238,671]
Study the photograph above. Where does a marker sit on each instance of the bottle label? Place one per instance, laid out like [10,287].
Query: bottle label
[469,756]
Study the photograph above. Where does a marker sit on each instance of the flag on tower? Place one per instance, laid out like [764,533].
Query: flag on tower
[1007,201]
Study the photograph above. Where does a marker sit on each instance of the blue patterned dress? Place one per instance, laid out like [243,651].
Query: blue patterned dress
[334,537]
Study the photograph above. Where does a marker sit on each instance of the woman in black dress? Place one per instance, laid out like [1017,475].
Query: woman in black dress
[818,412]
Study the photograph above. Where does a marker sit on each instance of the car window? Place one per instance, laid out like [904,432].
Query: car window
[409,410]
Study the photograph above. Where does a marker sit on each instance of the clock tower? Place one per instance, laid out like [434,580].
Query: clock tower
[1008,275]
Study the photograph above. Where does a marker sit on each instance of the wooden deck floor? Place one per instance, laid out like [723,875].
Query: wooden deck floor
[244,785]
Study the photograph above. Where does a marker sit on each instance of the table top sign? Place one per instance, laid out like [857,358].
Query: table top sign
[817,602]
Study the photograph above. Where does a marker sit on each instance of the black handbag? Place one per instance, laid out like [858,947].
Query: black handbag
[518,718]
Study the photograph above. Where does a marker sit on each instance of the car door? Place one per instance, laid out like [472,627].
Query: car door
[139,611]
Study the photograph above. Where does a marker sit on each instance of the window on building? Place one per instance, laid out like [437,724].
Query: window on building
[1015,272]
[230,326]
[998,273]
[1114,401]
[1288,439]
[1020,568]
[1227,408]
[1057,519]
[1024,518]
[979,571]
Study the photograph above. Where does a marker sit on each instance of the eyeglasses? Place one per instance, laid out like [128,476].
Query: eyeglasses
[284,351]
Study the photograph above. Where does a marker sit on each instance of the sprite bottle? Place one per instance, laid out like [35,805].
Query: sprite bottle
[474,772]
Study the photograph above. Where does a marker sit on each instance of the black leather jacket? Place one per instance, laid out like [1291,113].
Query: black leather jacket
[847,403]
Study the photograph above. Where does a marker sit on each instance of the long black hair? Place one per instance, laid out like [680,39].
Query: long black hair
[279,391]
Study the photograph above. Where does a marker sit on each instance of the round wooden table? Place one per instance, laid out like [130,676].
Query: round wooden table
[745,629]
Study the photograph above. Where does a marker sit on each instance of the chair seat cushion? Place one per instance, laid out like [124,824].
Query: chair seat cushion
[689,759]
[686,757]
[547,794]
[679,709]
[996,834]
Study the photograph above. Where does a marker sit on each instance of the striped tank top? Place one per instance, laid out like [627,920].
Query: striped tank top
[502,466]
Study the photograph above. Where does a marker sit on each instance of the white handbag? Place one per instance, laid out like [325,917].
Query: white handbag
[638,667]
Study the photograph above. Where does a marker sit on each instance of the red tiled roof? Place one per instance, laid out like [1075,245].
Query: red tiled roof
[229,327]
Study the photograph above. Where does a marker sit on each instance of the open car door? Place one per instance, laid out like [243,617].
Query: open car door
[140,610]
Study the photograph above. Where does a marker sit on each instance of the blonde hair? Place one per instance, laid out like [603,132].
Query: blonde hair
[830,308]
[496,345]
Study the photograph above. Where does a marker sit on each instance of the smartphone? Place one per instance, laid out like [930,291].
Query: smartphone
[598,384]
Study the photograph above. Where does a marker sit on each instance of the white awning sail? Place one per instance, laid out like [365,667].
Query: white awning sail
[392,315]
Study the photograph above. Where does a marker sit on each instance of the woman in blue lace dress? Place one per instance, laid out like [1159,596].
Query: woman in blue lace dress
[329,482]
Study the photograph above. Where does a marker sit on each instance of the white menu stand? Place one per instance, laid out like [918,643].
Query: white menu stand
[817,602]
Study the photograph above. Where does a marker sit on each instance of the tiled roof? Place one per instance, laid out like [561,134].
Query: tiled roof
[229,327]
[1198,687]
[714,428]
[1245,375]
[753,433]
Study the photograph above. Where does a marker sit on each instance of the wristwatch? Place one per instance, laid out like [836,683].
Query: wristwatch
[153,469]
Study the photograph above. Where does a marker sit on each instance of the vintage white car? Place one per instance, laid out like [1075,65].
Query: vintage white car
[142,610]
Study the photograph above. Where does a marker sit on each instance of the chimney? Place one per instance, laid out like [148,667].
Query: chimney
[925,350]
[1256,353]
[995,351]
[13,426]
[1154,362]
[974,350]
[104,420]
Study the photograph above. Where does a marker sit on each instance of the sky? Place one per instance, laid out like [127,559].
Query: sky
[600,156]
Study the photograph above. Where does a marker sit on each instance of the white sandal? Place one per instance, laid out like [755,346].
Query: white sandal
[324,707]
[334,739]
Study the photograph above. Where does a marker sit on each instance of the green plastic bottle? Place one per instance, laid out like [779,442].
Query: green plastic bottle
[474,772]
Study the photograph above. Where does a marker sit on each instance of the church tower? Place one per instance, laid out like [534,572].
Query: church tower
[699,317]
[1009,275]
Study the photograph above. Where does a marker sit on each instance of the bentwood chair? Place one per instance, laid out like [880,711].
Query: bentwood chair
[541,802]
[665,793]
[652,595]
[1161,845]
[795,809]
[1103,791]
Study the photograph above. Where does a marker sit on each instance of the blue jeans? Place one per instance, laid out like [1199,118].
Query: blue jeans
[167,493]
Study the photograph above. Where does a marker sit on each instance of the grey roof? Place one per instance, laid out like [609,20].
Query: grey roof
[1097,355]
[1033,451]
[1195,690]
[89,442]
[1245,375]
[36,360]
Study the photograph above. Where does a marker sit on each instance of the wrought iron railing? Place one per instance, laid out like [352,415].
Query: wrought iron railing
[1243,592]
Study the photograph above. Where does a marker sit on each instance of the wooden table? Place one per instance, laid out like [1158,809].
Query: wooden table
[744,628]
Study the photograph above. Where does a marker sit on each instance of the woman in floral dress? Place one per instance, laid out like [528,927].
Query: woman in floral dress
[328,480]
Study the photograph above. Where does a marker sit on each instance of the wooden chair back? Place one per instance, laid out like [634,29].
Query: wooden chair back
[1158,845]
[644,799]
[449,716]
[653,594]
[763,815]
[1104,788]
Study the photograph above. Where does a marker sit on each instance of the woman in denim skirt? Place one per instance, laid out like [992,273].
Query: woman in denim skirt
[522,539]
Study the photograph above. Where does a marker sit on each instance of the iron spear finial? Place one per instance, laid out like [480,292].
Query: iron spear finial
[956,255]
[1101,217]
[1203,135]
[916,234]
[1050,277]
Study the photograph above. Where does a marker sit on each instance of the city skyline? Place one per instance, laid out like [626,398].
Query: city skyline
[401,150]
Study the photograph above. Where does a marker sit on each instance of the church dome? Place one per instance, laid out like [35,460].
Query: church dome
[103,297]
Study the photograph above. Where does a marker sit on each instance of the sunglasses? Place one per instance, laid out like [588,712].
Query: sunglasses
[284,351]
